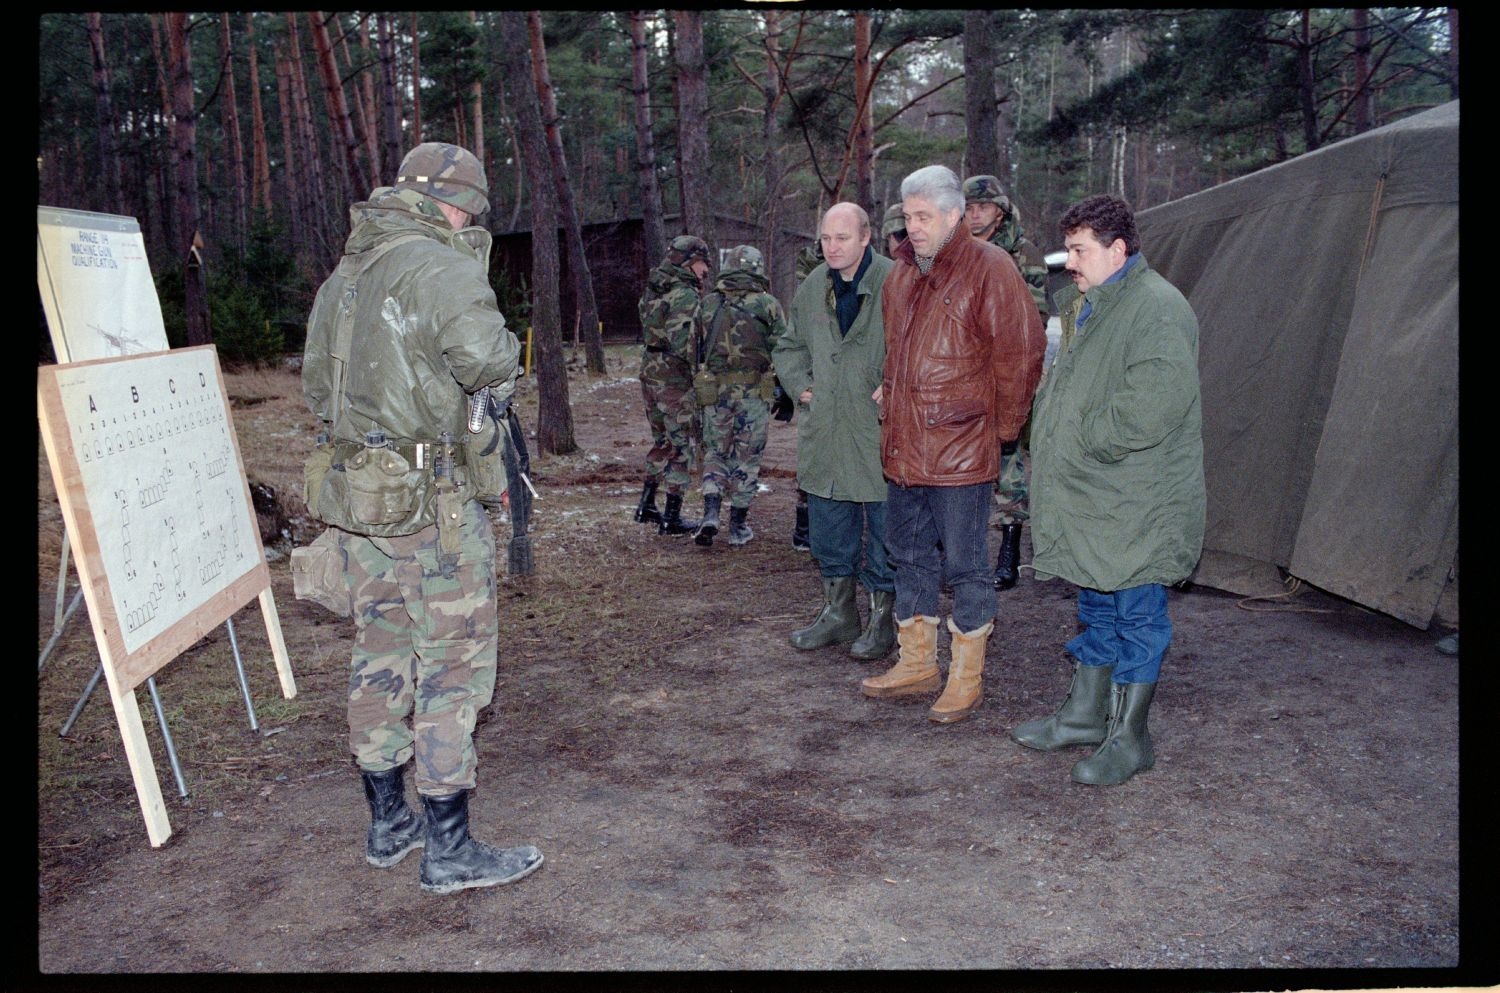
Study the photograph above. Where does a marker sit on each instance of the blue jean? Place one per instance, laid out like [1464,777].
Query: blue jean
[848,539]
[918,518]
[1128,629]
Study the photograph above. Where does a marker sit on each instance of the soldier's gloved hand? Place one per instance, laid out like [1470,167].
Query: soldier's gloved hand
[782,407]
[1009,447]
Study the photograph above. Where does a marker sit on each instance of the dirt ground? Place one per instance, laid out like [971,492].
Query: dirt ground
[709,798]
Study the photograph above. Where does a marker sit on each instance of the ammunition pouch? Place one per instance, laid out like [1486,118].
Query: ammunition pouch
[316,467]
[705,387]
[485,453]
[318,574]
[378,492]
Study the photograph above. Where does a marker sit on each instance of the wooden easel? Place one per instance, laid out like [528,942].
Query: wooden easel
[100,416]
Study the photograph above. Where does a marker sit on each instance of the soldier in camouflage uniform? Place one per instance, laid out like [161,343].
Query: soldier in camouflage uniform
[894,229]
[669,310]
[740,322]
[992,217]
[403,330]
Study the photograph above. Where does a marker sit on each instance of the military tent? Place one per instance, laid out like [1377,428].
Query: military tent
[1326,289]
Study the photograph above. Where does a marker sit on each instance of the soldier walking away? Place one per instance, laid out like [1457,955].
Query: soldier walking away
[402,332]
[741,322]
[992,217]
[830,360]
[669,311]
[1118,476]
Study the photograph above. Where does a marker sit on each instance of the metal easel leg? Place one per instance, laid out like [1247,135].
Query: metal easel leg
[239,667]
[88,691]
[59,625]
[166,735]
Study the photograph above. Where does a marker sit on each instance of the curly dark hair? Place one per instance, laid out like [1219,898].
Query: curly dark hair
[1107,217]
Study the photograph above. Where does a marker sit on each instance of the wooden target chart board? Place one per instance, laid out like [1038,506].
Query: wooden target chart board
[153,492]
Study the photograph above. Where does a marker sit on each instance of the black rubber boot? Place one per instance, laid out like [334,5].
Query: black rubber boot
[454,861]
[739,531]
[800,540]
[1009,559]
[880,630]
[395,829]
[838,624]
[1127,747]
[671,519]
[1082,719]
[709,526]
[645,511]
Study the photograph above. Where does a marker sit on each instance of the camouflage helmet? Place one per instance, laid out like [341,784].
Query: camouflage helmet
[747,258]
[685,248]
[447,173]
[895,222]
[985,189]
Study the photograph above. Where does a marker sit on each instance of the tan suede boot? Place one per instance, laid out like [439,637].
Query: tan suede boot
[916,669]
[965,675]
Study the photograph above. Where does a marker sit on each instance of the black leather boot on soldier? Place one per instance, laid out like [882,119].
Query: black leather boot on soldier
[645,511]
[454,861]
[709,526]
[671,519]
[395,829]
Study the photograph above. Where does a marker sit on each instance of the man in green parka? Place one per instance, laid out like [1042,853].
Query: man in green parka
[1118,499]
[400,337]
[830,361]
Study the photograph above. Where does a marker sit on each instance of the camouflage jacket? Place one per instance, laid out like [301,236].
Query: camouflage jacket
[426,329]
[740,322]
[1028,257]
[669,313]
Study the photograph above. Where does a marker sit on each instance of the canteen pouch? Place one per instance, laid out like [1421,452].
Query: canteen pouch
[382,486]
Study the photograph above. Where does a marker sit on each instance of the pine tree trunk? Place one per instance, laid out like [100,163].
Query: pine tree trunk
[184,143]
[165,165]
[645,142]
[692,125]
[476,92]
[390,138]
[578,263]
[771,157]
[262,160]
[356,181]
[108,152]
[982,154]
[236,141]
[365,91]
[290,172]
[554,429]
[864,108]
[416,84]
[312,189]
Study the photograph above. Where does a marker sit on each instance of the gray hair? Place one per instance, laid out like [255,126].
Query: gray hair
[935,183]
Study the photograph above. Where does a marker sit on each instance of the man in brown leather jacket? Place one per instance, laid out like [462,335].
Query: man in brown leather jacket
[963,354]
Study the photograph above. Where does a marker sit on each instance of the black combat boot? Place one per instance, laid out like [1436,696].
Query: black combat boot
[800,539]
[739,531]
[645,511]
[1082,719]
[838,623]
[709,526]
[1127,747]
[395,828]
[454,861]
[1009,559]
[880,630]
[671,519]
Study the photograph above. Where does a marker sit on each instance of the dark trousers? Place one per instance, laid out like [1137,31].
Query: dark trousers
[917,519]
[848,539]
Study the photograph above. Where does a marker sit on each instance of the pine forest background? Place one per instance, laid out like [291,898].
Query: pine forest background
[239,140]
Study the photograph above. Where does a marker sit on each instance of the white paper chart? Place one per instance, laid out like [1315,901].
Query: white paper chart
[156,455]
[96,285]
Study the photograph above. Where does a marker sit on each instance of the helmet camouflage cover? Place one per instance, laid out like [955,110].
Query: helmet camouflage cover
[746,257]
[985,189]
[447,173]
[685,248]
[895,222]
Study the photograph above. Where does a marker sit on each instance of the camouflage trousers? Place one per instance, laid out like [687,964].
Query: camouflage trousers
[1012,494]
[424,651]
[734,439]
[670,409]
